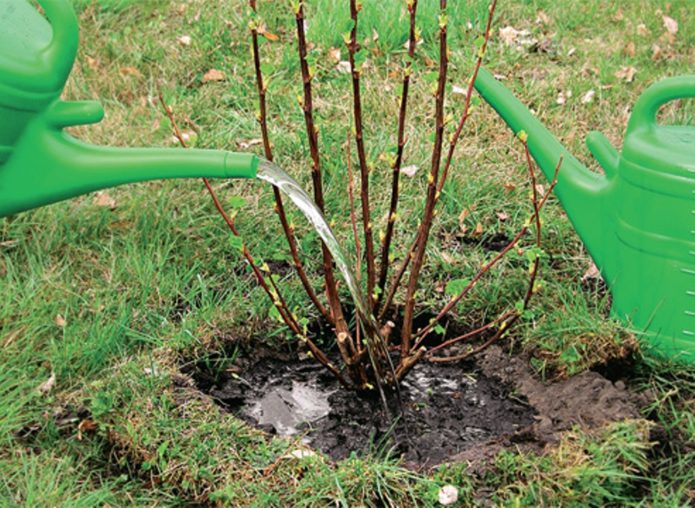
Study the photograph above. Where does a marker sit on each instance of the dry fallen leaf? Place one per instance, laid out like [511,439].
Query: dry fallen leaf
[588,97]
[478,229]
[591,273]
[519,38]
[459,90]
[502,216]
[129,71]
[86,425]
[262,30]
[410,170]
[47,385]
[618,16]
[626,73]
[656,52]
[629,49]
[60,321]
[344,67]
[184,40]
[104,200]
[542,18]
[214,75]
[670,24]
[643,30]
[248,144]
[93,63]
[463,215]
[334,53]
[561,98]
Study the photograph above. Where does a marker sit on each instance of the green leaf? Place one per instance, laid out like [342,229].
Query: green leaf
[439,329]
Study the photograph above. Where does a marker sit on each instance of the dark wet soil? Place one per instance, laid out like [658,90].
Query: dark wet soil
[447,409]
[466,411]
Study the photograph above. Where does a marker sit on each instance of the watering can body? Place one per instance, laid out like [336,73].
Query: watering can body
[39,162]
[638,219]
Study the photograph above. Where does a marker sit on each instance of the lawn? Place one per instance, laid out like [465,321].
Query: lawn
[108,297]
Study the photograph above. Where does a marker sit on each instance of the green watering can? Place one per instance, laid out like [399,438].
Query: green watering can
[41,164]
[637,220]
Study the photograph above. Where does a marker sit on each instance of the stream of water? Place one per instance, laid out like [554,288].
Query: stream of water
[276,176]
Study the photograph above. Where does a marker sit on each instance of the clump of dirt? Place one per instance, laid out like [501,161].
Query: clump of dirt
[587,399]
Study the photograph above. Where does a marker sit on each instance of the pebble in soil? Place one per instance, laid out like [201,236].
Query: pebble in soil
[447,409]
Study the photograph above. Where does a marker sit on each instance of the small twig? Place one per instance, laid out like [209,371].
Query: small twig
[279,206]
[395,177]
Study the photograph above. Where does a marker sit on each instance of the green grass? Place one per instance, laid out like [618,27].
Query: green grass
[117,277]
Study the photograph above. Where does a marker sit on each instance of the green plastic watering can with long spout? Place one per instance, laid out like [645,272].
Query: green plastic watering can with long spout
[638,219]
[39,162]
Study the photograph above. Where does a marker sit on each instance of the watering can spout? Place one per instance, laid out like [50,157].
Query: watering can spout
[48,165]
[581,191]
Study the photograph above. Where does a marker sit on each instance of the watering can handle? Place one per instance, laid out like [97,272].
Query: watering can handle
[647,106]
[60,53]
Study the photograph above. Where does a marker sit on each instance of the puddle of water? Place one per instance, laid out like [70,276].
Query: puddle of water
[288,410]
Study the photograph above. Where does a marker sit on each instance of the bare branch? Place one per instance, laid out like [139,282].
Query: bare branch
[423,230]
[353,48]
[279,206]
[395,177]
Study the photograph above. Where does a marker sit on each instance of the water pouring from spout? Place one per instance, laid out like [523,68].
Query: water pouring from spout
[376,347]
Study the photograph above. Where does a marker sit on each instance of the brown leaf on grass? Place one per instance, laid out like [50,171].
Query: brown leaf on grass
[103,199]
[410,170]
[129,71]
[643,30]
[214,75]
[93,63]
[618,16]
[626,73]
[657,54]
[478,229]
[502,216]
[86,425]
[263,30]
[248,144]
[629,49]
[591,273]
[46,387]
[184,40]
[542,18]
[588,97]
[334,53]
[60,321]
[344,67]
[670,24]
